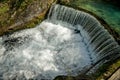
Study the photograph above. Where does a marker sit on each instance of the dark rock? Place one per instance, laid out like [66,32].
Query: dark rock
[115,2]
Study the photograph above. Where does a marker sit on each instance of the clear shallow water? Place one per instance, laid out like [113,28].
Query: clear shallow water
[43,52]
[110,13]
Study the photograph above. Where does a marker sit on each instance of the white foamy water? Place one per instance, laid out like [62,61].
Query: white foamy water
[69,42]
[43,52]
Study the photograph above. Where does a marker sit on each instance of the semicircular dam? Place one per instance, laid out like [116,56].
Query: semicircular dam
[68,42]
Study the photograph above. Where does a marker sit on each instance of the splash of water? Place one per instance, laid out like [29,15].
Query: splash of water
[45,52]
[67,43]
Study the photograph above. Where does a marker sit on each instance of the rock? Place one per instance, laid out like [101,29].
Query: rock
[115,75]
[22,14]
[81,77]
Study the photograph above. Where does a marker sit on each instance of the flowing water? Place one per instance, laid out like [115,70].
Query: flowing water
[110,13]
[68,42]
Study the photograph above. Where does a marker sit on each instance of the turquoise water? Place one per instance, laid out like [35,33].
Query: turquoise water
[110,13]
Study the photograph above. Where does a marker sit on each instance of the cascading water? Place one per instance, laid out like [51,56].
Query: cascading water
[68,42]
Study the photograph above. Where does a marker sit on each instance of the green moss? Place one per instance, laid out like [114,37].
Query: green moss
[13,11]
[3,13]
[107,69]
[3,9]
[118,29]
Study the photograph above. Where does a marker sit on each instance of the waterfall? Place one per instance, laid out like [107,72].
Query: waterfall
[68,42]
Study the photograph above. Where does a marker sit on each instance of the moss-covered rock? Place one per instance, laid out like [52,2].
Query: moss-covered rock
[20,14]
[106,70]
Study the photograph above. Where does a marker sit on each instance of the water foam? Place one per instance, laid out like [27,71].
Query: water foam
[43,52]
[69,42]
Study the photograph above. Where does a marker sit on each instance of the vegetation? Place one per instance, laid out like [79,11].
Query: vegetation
[14,11]
[20,14]
[106,70]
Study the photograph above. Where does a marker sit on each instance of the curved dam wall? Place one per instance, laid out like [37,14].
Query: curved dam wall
[96,38]
[68,42]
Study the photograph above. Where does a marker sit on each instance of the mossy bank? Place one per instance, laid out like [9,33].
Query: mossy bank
[21,14]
